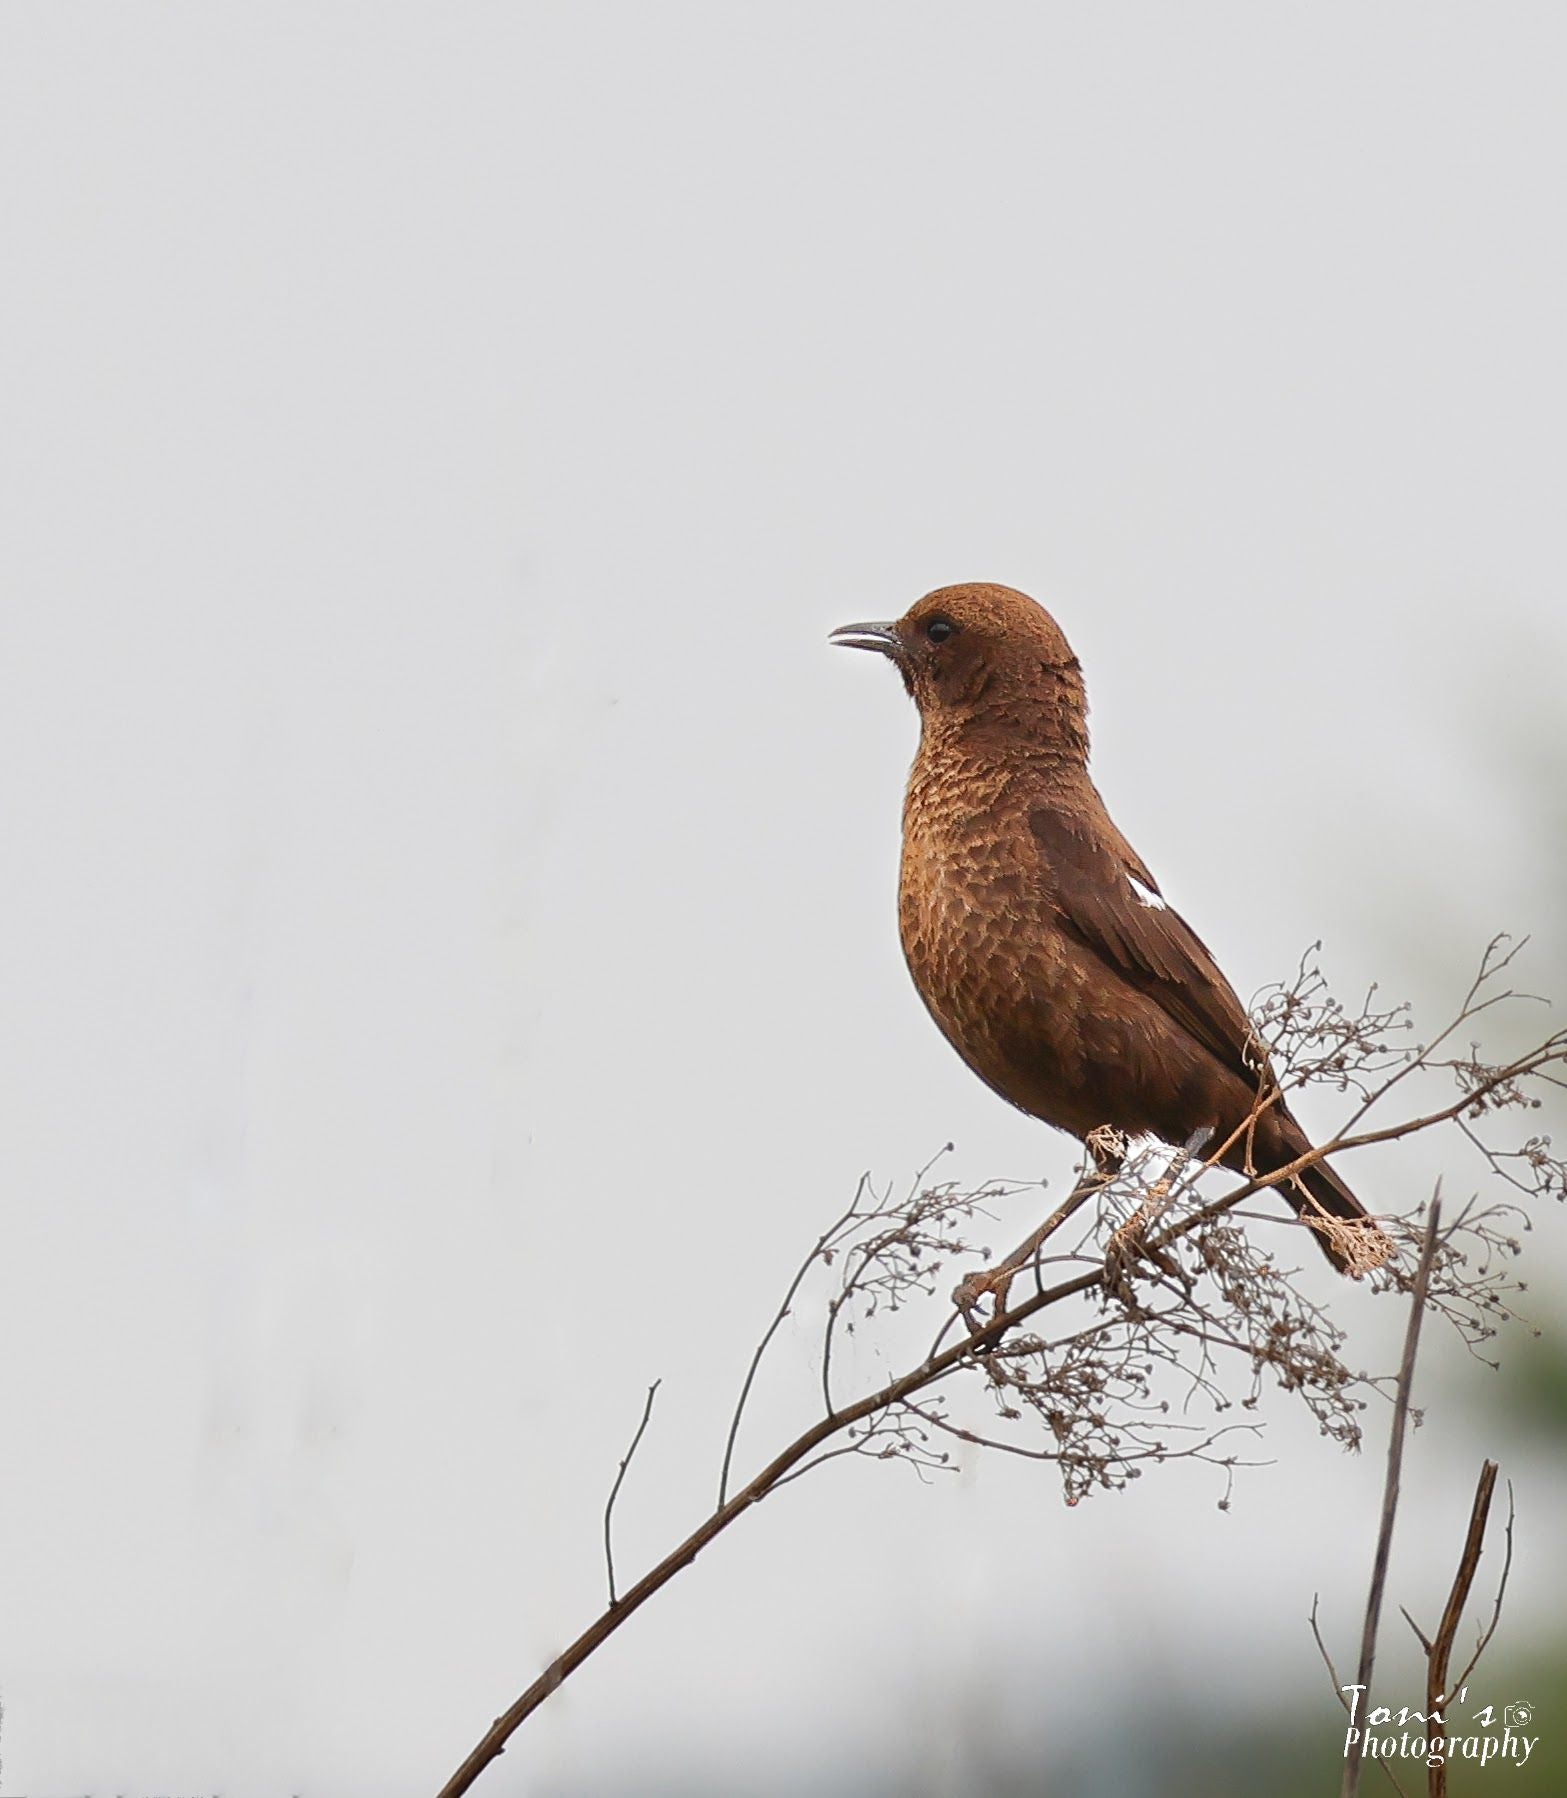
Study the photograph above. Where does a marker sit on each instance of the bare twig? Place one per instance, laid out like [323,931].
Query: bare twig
[997,1281]
[604,1626]
[1441,1647]
[1395,1459]
[825,1244]
[1501,1593]
[1339,1688]
[1327,1659]
[614,1491]
[1533,1063]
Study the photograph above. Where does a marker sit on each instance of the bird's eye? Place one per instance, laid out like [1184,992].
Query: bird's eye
[939,629]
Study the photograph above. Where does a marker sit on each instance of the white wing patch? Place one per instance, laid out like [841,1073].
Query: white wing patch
[1145,895]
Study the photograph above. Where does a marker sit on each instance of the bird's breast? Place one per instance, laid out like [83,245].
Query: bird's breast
[971,906]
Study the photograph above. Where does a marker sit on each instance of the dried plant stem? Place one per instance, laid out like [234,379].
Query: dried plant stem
[1395,1461]
[1534,1062]
[1501,1593]
[1090,1389]
[771,1476]
[1439,1655]
[614,1491]
[936,1367]
[823,1242]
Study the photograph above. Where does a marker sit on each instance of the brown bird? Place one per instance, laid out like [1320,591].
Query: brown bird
[1036,936]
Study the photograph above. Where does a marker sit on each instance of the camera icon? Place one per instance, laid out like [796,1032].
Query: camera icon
[1518,1716]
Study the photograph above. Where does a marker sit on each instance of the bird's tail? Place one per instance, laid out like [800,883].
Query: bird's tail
[1345,1231]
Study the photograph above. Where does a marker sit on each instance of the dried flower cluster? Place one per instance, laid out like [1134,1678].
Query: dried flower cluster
[1170,1307]
[1146,1308]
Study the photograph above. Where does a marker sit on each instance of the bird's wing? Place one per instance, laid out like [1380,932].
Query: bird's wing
[1107,899]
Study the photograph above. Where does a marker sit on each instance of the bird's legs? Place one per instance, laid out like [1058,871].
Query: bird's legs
[1108,1148]
[1129,1240]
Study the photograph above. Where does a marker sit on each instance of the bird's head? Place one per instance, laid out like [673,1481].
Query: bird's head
[981,654]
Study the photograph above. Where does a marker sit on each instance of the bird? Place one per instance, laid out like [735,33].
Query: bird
[1038,939]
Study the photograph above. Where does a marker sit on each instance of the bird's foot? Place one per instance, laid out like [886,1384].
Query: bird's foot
[1108,1149]
[992,1282]
[1129,1243]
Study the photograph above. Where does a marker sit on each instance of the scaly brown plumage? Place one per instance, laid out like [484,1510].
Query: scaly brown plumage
[1036,936]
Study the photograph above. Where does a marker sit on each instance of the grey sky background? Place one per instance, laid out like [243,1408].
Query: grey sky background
[452,970]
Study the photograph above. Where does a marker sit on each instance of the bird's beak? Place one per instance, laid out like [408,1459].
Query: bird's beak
[883,638]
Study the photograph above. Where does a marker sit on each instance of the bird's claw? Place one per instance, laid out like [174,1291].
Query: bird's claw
[1129,1243]
[992,1282]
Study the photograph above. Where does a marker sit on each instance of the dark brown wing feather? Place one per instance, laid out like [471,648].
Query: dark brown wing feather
[1089,880]
[1151,947]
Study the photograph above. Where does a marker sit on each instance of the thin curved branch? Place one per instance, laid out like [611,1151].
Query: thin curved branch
[493,1742]
[614,1491]
[1355,1751]
[823,1243]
